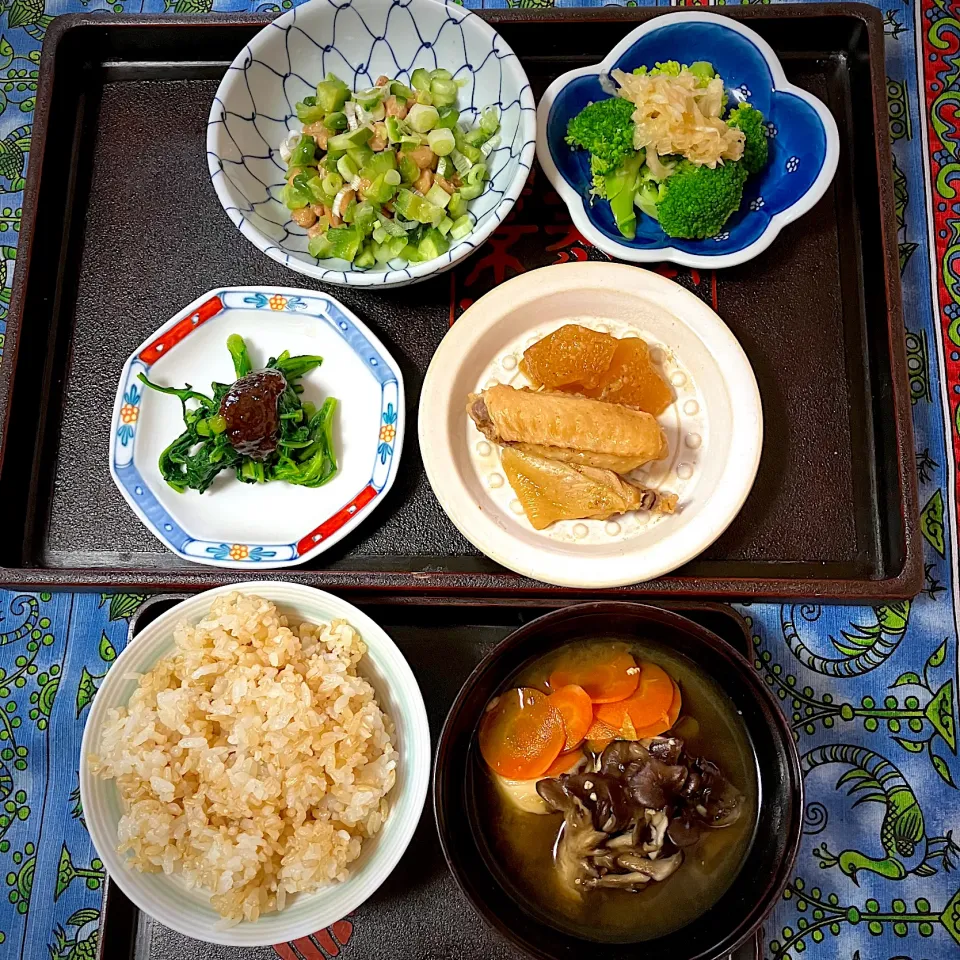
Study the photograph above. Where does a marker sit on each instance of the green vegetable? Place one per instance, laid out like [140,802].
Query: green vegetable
[698,201]
[605,129]
[457,206]
[304,453]
[409,205]
[379,163]
[295,198]
[620,187]
[409,171]
[366,257]
[350,140]
[648,195]
[443,93]
[437,195]
[346,168]
[344,242]
[470,191]
[702,70]
[448,117]
[423,118]
[420,80]
[755,148]
[369,234]
[332,94]
[669,68]
[309,112]
[442,141]
[461,227]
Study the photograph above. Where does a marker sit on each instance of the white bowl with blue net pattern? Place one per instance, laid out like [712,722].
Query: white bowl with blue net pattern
[360,40]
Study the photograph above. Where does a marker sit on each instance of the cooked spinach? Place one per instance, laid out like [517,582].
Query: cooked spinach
[304,453]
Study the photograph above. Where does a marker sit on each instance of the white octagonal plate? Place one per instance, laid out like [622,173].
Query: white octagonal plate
[239,525]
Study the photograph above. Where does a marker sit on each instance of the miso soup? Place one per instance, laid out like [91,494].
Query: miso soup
[639,823]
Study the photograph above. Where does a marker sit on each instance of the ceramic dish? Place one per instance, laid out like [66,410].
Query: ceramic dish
[359,40]
[470,852]
[803,140]
[189,912]
[241,525]
[714,427]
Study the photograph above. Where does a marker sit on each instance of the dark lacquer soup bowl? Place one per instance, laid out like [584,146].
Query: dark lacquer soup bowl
[511,864]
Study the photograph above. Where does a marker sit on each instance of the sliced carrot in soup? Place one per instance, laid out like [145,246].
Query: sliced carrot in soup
[576,708]
[521,734]
[647,707]
[606,673]
[564,763]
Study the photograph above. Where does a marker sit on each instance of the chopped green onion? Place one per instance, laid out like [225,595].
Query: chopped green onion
[442,141]
[366,258]
[490,121]
[448,117]
[438,196]
[462,164]
[346,168]
[461,227]
[309,112]
[420,80]
[335,122]
[444,93]
[379,234]
[332,94]
[422,118]
[409,171]
[401,91]
[392,177]
[457,206]
[434,244]
[445,167]
[477,173]
[444,225]
[396,129]
[304,154]
[294,197]
[350,140]
[332,183]
[391,227]
[470,191]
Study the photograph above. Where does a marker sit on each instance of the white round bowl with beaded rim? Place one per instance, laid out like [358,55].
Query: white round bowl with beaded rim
[360,40]
[714,427]
[167,898]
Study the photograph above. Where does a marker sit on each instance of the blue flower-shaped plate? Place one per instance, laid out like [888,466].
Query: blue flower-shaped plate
[239,525]
[804,144]
[360,40]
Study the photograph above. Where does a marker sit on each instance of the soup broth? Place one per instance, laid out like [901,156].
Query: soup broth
[521,845]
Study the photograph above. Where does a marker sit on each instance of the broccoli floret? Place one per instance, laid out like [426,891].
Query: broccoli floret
[605,129]
[703,71]
[755,148]
[669,68]
[698,201]
[648,195]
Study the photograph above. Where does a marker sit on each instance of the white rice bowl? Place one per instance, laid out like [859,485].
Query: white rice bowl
[252,766]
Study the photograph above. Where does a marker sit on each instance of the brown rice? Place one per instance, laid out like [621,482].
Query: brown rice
[254,760]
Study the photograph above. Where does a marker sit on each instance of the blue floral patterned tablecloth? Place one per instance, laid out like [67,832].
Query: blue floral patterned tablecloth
[871,692]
